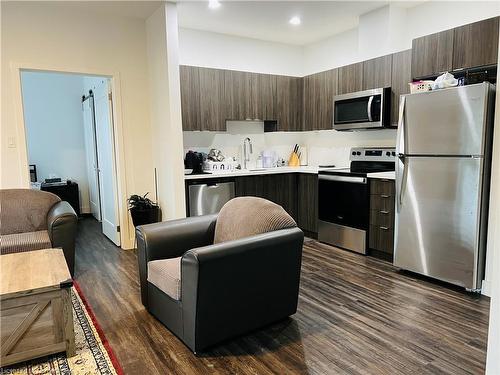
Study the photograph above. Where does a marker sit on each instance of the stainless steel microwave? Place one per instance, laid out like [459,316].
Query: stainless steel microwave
[369,109]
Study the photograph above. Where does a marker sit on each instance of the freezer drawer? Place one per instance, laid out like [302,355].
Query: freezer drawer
[438,218]
[205,199]
[446,122]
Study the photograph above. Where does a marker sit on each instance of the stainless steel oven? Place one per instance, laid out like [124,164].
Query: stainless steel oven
[369,109]
[344,198]
[343,211]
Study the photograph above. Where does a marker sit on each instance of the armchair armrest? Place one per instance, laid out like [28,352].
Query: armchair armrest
[170,239]
[236,286]
[61,225]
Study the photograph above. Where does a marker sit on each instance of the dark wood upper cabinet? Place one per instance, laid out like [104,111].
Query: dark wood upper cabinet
[400,77]
[190,97]
[237,97]
[289,103]
[319,90]
[264,93]
[476,44]
[432,54]
[377,72]
[212,99]
[350,78]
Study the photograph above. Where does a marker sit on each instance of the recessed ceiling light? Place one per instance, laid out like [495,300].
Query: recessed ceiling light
[213,4]
[295,20]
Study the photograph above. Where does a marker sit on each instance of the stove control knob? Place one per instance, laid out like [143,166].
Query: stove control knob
[388,153]
[358,153]
[354,152]
[393,153]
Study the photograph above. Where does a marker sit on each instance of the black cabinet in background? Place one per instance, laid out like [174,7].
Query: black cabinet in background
[278,188]
[307,202]
[67,192]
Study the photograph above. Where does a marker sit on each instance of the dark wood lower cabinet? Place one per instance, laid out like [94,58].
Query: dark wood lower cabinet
[307,204]
[296,193]
[278,188]
[381,230]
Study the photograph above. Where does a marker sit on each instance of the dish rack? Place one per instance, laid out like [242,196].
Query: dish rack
[219,166]
[420,86]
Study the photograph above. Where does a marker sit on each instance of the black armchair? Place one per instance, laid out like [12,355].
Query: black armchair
[224,289]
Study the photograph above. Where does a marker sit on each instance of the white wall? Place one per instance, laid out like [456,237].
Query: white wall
[392,29]
[213,50]
[325,147]
[57,36]
[382,31]
[493,254]
[52,105]
[165,106]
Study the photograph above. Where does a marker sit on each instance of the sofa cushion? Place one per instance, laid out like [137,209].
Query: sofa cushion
[25,210]
[165,274]
[19,242]
[247,216]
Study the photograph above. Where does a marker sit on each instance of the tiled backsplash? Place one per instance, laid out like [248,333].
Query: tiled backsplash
[324,147]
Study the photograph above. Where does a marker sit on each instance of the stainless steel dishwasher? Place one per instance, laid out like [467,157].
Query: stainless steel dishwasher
[205,199]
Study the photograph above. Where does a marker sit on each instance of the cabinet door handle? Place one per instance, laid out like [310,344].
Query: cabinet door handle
[384,212]
[385,196]
[384,228]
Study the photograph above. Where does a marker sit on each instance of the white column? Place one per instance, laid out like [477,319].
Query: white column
[165,103]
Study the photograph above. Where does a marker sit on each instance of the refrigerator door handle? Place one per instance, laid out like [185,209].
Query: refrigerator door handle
[401,136]
[401,177]
[400,149]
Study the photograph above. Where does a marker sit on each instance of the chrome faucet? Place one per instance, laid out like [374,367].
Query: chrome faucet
[246,155]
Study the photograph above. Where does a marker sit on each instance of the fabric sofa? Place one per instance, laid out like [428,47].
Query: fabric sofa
[34,220]
[207,292]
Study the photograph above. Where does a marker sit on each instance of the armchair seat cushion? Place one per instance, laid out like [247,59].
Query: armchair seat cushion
[165,274]
[28,241]
[248,216]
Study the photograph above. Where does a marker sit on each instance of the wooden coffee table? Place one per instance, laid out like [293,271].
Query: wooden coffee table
[35,306]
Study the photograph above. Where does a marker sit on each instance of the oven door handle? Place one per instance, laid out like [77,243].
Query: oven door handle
[369,108]
[355,180]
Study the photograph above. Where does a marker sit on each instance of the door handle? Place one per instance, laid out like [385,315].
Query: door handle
[358,180]
[384,228]
[385,196]
[384,212]
[369,108]
[401,150]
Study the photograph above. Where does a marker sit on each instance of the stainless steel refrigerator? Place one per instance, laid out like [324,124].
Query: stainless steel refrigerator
[442,183]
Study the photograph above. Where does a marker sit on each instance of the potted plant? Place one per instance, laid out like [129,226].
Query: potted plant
[143,210]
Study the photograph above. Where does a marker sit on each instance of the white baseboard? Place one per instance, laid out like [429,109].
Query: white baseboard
[486,288]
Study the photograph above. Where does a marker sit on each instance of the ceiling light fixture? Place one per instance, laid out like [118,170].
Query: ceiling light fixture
[295,20]
[213,4]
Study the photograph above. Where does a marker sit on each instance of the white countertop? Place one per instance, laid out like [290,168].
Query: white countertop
[255,172]
[383,175]
[263,171]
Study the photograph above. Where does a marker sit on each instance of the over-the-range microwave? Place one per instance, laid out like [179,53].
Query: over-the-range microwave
[369,109]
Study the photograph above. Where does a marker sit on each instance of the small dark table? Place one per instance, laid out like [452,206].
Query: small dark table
[67,192]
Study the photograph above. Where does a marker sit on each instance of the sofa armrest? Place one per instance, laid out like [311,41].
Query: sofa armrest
[170,239]
[233,287]
[62,225]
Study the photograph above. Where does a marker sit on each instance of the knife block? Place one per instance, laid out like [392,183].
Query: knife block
[294,160]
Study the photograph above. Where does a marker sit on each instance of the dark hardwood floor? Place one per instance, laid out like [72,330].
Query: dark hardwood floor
[356,315]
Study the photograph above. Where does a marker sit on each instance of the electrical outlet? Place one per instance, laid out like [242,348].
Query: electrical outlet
[11,142]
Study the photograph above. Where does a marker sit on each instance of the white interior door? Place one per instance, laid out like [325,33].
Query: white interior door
[91,156]
[106,157]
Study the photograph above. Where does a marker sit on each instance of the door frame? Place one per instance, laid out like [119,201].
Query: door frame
[126,239]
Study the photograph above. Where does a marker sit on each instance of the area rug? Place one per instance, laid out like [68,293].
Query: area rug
[93,353]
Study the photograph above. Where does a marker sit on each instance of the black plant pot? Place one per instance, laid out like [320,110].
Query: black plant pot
[145,216]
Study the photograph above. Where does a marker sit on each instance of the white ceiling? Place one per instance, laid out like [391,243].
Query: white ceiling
[268,20]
